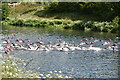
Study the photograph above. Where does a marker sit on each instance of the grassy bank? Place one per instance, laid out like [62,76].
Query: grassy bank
[38,12]
[36,16]
[112,26]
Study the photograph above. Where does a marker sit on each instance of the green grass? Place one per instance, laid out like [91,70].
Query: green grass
[37,12]
[68,16]
[24,11]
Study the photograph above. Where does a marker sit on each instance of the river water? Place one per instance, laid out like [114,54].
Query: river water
[77,63]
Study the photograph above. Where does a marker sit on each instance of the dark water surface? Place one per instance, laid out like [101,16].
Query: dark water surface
[78,63]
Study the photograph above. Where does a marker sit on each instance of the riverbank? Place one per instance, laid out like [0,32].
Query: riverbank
[36,16]
[112,27]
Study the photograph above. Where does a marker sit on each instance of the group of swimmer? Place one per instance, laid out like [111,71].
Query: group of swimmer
[11,43]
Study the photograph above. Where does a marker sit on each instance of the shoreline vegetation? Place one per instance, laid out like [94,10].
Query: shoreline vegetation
[55,15]
[112,26]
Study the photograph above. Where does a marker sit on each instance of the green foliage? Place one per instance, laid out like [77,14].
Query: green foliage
[116,21]
[78,25]
[51,6]
[116,24]
[38,2]
[16,22]
[88,24]
[58,22]
[106,10]
[62,6]
[20,22]
[51,23]
[68,26]
[96,27]
[5,11]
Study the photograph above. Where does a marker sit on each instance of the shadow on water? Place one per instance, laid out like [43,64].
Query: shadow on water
[60,32]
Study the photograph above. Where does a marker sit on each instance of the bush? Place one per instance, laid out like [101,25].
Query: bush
[16,22]
[79,26]
[115,23]
[64,23]
[5,11]
[68,26]
[96,27]
[88,24]
[51,23]
[58,22]
[20,22]
[43,22]
[51,7]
